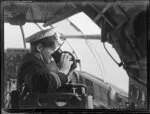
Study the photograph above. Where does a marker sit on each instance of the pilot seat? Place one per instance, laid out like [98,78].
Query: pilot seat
[72,96]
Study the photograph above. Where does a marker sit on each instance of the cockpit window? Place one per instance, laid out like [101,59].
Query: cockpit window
[12,36]
[94,59]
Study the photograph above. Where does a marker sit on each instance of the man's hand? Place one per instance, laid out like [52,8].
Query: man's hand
[65,63]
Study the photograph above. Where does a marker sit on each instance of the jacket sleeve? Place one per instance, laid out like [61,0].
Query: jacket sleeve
[42,81]
[60,79]
[35,78]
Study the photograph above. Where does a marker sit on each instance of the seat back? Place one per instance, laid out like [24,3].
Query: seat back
[66,99]
[71,96]
[14,99]
[12,60]
[61,101]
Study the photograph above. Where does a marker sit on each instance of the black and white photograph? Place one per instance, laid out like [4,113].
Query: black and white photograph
[74,55]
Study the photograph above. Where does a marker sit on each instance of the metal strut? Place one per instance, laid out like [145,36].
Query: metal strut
[23,36]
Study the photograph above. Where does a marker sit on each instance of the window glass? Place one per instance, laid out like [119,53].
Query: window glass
[66,27]
[81,47]
[88,61]
[85,24]
[12,36]
[94,58]
[113,73]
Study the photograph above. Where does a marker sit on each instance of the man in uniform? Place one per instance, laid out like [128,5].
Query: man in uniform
[34,70]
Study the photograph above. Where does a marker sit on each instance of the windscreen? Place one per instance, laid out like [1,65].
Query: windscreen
[94,58]
[91,53]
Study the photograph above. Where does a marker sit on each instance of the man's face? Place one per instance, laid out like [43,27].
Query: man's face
[46,54]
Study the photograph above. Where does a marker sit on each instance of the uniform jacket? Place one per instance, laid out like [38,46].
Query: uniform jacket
[39,78]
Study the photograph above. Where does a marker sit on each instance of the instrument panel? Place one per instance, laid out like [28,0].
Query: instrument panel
[12,60]
[137,95]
